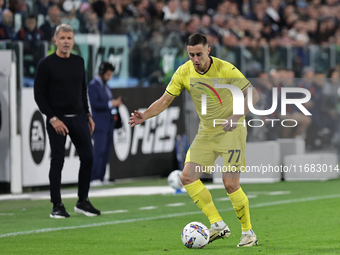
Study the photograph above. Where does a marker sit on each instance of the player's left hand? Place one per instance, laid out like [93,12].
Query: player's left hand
[231,123]
[91,125]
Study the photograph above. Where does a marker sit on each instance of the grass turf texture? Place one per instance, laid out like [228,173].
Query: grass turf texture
[282,223]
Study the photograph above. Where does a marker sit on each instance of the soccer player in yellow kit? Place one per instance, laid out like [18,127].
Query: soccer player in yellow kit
[200,76]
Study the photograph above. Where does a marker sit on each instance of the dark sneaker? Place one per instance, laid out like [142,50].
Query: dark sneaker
[59,212]
[86,208]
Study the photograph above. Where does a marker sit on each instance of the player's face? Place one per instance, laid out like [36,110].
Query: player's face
[64,42]
[199,55]
[107,76]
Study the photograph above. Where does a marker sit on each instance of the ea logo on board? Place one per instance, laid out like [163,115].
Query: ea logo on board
[122,136]
[37,137]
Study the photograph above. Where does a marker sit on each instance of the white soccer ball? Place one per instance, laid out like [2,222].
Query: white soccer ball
[195,235]
[174,180]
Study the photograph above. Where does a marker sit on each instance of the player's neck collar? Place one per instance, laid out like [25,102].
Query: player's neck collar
[211,61]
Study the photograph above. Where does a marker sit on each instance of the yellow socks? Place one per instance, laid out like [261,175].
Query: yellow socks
[202,198]
[241,206]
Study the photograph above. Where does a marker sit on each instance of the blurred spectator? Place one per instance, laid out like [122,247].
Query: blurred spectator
[51,22]
[71,19]
[6,25]
[191,27]
[302,9]
[150,72]
[91,24]
[142,7]
[20,7]
[326,29]
[31,38]
[199,7]
[2,3]
[292,111]
[29,34]
[41,7]
[85,9]
[99,7]
[171,10]
[264,86]
[219,26]
[205,25]
[332,85]
[272,16]
[184,12]
[124,8]
[156,10]
[244,6]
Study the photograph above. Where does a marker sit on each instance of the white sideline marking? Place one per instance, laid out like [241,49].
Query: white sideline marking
[112,212]
[228,199]
[270,193]
[175,204]
[113,192]
[44,230]
[148,208]
[6,214]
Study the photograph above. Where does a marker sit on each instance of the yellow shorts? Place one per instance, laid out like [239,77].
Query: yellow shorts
[206,147]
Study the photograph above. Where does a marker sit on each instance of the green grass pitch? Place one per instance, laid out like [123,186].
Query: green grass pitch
[303,218]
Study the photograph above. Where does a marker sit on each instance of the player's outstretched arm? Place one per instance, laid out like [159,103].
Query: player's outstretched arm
[154,109]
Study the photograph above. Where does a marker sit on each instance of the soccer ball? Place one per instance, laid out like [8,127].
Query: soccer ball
[195,235]
[174,180]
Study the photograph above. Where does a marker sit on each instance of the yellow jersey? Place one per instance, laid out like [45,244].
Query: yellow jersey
[219,101]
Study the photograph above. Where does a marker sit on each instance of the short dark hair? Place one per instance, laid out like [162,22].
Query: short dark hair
[104,67]
[197,38]
[32,16]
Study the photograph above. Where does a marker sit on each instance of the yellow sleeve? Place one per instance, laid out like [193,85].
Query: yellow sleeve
[175,85]
[237,78]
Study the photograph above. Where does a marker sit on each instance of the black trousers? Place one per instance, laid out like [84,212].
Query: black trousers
[79,133]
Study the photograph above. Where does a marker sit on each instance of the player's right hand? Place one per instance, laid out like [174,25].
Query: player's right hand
[136,118]
[60,127]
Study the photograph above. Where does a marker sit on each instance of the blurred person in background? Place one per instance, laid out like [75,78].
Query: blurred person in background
[171,11]
[332,84]
[41,7]
[205,25]
[31,37]
[293,112]
[191,27]
[52,20]
[2,2]
[199,7]
[19,7]
[91,24]
[184,10]
[104,108]
[156,10]
[6,26]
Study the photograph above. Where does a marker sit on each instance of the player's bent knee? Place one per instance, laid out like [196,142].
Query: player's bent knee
[231,186]
[186,179]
